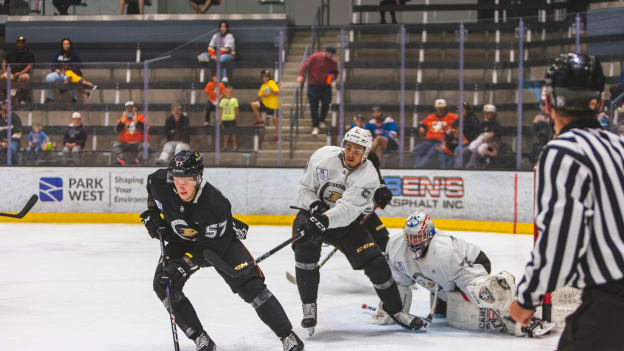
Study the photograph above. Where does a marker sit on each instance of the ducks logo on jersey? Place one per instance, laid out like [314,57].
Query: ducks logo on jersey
[331,192]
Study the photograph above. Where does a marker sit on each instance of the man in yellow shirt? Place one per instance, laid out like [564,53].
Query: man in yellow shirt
[228,114]
[267,100]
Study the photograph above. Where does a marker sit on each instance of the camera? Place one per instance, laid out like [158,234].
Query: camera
[490,149]
[129,115]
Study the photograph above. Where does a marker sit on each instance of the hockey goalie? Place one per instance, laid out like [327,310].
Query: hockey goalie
[469,296]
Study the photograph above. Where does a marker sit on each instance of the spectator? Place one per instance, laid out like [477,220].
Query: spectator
[4,145]
[135,7]
[16,130]
[37,138]
[177,133]
[202,6]
[211,93]
[542,129]
[74,139]
[321,69]
[227,44]
[384,131]
[390,3]
[472,128]
[268,100]
[66,56]
[434,128]
[227,118]
[63,5]
[130,127]
[492,154]
[73,78]
[489,129]
[21,60]
[358,121]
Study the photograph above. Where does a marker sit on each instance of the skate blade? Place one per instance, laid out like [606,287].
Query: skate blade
[310,331]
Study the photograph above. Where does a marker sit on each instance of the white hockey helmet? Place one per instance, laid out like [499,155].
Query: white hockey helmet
[418,232]
[359,136]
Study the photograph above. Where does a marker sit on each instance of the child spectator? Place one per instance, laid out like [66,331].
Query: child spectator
[358,121]
[177,132]
[434,128]
[73,78]
[21,60]
[211,93]
[227,44]
[16,129]
[384,130]
[267,100]
[227,118]
[65,56]
[37,138]
[130,127]
[74,139]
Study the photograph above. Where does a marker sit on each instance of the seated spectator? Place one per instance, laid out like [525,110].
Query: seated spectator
[135,7]
[74,139]
[228,115]
[434,129]
[130,127]
[472,128]
[542,129]
[211,94]
[227,44]
[21,60]
[358,121]
[489,128]
[384,130]
[66,56]
[268,100]
[492,154]
[37,138]
[202,6]
[177,133]
[16,130]
[63,5]
[390,3]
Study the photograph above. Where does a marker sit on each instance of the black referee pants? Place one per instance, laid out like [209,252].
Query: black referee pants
[598,323]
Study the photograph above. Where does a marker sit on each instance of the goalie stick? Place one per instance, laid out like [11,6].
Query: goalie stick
[291,278]
[31,202]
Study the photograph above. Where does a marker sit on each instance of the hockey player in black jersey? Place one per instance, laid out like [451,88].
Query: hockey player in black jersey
[336,190]
[382,198]
[197,217]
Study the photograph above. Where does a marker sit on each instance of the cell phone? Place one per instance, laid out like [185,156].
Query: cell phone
[129,115]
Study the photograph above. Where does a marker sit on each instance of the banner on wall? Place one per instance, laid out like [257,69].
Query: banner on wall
[448,194]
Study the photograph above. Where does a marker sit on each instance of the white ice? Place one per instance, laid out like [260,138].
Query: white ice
[89,287]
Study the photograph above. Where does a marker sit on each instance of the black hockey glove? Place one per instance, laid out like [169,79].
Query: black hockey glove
[316,225]
[152,221]
[318,208]
[383,196]
[176,272]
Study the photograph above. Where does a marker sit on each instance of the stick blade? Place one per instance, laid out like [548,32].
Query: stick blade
[291,278]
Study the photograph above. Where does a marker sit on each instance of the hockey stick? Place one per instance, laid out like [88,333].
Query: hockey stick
[31,202]
[291,278]
[174,329]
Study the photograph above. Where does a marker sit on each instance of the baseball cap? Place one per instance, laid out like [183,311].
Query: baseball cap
[376,108]
[489,108]
[76,115]
[331,49]
[129,103]
[439,103]
[21,38]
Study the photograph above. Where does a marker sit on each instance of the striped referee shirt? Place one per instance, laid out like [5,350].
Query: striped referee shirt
[580,213]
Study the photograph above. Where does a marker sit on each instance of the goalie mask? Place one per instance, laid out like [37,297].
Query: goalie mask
[418,232]
[359,136]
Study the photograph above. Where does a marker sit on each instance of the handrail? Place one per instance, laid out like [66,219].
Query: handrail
[296,104]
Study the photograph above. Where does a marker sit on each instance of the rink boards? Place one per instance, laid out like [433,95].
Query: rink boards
[459,200]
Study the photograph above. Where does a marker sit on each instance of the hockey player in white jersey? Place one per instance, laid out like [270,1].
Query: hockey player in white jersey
[335,192]
[475,299]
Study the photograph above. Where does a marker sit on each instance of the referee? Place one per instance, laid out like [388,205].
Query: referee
[580,212]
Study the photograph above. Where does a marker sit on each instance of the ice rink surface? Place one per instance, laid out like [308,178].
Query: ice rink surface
[89,287]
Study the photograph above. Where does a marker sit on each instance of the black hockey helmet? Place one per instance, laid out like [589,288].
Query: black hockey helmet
[185,164]
[575,82]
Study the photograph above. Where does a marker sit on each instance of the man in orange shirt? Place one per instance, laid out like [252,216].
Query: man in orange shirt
[130,127]
[211,93]
[434,129]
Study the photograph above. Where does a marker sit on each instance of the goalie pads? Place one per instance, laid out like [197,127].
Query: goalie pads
[380,317]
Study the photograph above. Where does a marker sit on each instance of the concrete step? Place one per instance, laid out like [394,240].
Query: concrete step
[299,145]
